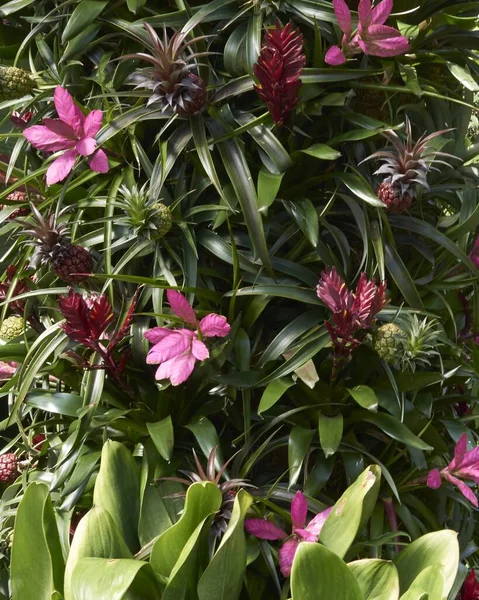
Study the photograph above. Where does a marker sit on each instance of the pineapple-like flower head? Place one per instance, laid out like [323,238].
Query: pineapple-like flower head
[266,530]
[464,466]
[174,85]
[72,133]
[143,215]
[350,310]
[177,350]
[409,162]
[371,37]
[279,67]
[227,487]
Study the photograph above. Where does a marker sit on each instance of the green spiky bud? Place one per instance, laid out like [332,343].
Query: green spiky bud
[387,342]
[15,83]
[11,328]
[163,218]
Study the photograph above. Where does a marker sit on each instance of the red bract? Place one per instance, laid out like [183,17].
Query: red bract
[87,317]
[470,588]
[350,311]
[278,70]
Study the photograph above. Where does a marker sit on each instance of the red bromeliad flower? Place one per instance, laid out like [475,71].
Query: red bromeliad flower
[470,588]
[278,70]
[350,311]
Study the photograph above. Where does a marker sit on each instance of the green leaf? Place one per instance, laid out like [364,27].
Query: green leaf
[117,490]
[135,5]
[431,581]
[330,433]
[59,403]
[84,14]
[107,579]
[402,277]
[350,511]
[463,76]
[273,392]
[162,435]
[268,187]
[306,217]
[223,577]
[319,574]
[13,6]
[360,188]
[377,579]
[37,566]
[433,549]
[202,500]
[207,438]
[393,427]
[81,42]
[298,446]
[365,397]
[322,151]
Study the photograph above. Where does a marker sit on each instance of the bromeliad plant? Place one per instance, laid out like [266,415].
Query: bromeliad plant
[156,157]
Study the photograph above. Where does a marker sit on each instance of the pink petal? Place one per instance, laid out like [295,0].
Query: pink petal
[334,56]
[385,41]
[169,347]
[343,15]
[92,123]
[164,370]
[264,530]
[181,307]
[434,479]
[43,138]
[7,369]
[214,325]
[60,128]
[156,334]
[315,525]
[459,453]
[61,167]
[364,13]
[99,162]
[199,350]
[182,368]
[381,12]
[86,146]
[68,111]
[299,510]
[463,488]
[286,556]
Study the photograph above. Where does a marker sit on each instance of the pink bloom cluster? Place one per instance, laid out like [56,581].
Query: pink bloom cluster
[265,530]
[464,465]
[73,133]
[371,37]
[177,350]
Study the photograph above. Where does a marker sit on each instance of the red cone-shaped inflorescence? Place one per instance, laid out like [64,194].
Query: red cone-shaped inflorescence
[278,70]
[8,468]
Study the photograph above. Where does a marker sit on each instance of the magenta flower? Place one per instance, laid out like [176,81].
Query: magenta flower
[371,37]
[464,465]
[7,369]
[73,133]
[265,530]
[474,253]
[177,350]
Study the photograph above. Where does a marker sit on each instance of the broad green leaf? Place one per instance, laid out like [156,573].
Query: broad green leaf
[433,549]
[429,580]
[158,509]
[268,187]
[202,500]
[207,438]
[117,490]
[13,6]
[319,574]
[273,392]
[306,217]
[84,14]
[402,277]
[223,577]
[111,579]
[96,536]
[393,427]
[322,151]
[377,579]
[350,511]
[298,446]
[365,397]
[59,403]
[162,435]
[330,433]
[360,188]
[463,76]
[37,567]
[79,43]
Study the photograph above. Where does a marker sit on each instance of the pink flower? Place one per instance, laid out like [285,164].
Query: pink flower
[474,253]
[371,37]
[7,369]
[177,350]
[465,465]
[72,132]
[265,530]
